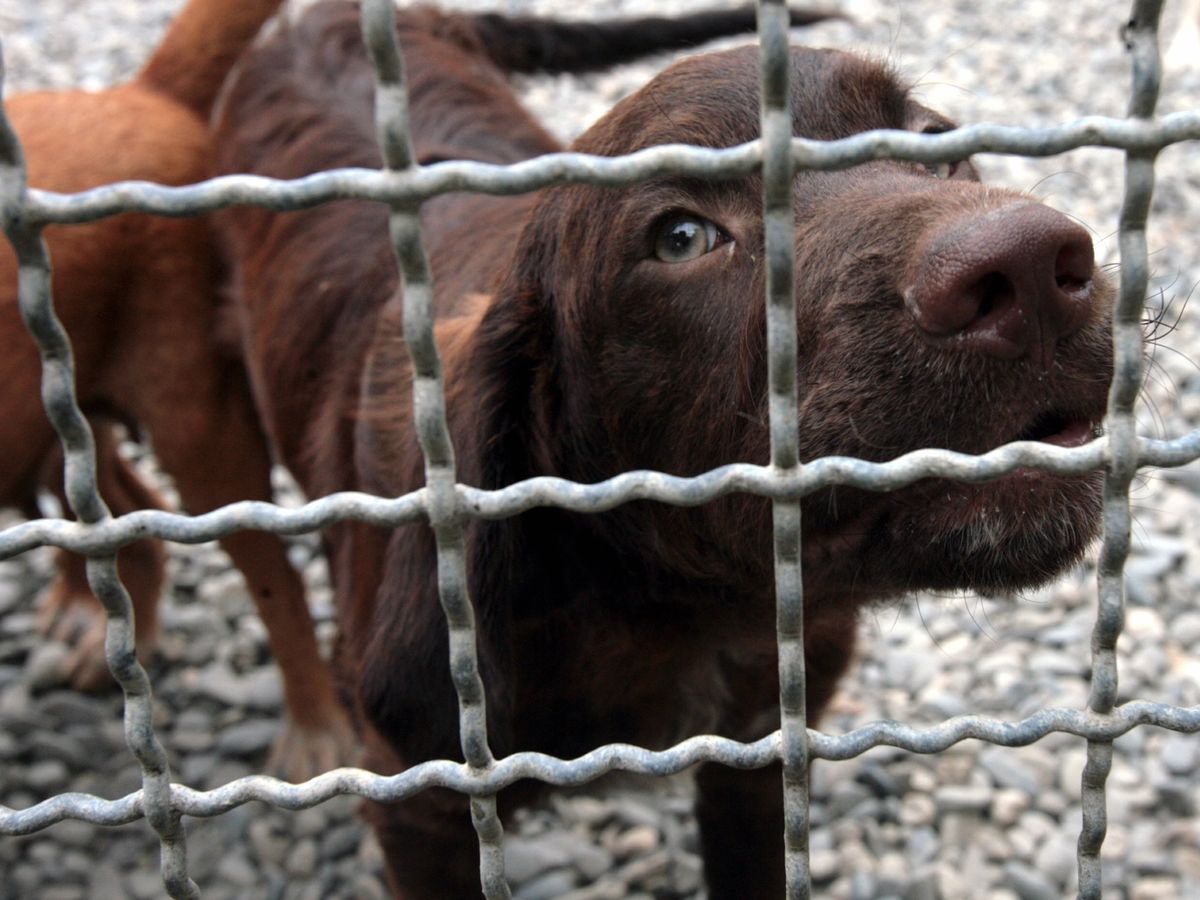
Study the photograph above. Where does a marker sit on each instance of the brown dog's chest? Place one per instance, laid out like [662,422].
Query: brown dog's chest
[651,678]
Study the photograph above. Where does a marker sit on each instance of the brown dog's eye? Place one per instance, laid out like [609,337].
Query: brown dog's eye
[685,237]
[941,169]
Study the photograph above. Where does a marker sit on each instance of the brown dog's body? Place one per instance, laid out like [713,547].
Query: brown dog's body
[138,296]
[584,332]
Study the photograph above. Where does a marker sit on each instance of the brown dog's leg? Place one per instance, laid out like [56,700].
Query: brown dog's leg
[70,611]
[741,831]
[429,846]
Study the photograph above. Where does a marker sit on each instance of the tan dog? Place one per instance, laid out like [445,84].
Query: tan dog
[139,297]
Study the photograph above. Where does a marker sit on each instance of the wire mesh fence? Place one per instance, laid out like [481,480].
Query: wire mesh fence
[443,502]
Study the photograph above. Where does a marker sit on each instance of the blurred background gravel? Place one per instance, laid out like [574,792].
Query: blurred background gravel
[975,821]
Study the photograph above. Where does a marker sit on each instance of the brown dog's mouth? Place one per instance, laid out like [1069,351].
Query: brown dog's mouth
[1061,429]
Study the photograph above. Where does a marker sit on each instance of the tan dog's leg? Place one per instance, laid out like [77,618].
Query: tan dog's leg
[70,611]
[220,457]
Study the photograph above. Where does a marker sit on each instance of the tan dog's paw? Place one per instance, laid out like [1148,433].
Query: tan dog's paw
[302,752]
[75,618]
[67,611]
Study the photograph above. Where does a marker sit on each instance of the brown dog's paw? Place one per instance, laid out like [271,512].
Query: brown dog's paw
[302,752]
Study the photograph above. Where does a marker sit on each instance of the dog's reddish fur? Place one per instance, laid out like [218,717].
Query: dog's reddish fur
[571,350]
[138,296]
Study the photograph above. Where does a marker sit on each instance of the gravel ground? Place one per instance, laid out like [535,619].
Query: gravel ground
[975,821]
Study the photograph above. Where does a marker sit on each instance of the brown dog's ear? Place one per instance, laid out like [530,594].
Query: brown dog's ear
[501,404]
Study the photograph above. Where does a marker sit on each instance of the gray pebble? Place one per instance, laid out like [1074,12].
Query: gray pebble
[1008,804]
[246,739]
[145,885]
[591,811]
[605,889]
[62,892]
[526,858]
[823,865]
[47,776]
[1185,630]
[646,867]
[922,885]
[71,706]
[105,881]
[953,798]
[1070,774]
[1029,883]
[192,739]
[302,858]
[237,870]
[636,841]
[1008,771]
[1160,888]
[879,780]
[1180,753]
[548,886]
[632,811]
[1179,796]
[197,768]
[309,822]
[1056,859]
[62,748]
[270,842]
[225,771]
[342,840]
[46,666]
[917,810]
[73,833]
[863,886]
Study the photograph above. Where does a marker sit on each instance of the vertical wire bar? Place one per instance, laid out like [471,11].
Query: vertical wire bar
[433,433]
[1142,38]
[779,230]
[62,408]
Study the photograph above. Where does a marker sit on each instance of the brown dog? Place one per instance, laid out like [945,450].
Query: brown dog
[139,297]
[587,331]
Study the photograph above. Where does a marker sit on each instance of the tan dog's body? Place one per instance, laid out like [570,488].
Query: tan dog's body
[138,296]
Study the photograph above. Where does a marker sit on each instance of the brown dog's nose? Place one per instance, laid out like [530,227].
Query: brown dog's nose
[1008,283]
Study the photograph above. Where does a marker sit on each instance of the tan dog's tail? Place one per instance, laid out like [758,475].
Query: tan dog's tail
[527,44]
[200,47]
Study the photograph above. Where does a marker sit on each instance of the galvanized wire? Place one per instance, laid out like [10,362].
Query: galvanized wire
[1142,38]
[783,405]
[444,503]
[441,503]
[83,496]
[48,207]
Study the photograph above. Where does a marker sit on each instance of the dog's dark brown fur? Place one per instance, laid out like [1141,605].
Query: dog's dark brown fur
[139,298]
[572,349]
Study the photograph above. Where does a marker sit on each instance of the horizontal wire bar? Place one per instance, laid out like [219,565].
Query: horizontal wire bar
[602,761]
[588,498]
[414,185]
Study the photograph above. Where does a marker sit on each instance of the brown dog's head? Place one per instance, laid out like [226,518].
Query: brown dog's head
[933,311]
[627,331]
